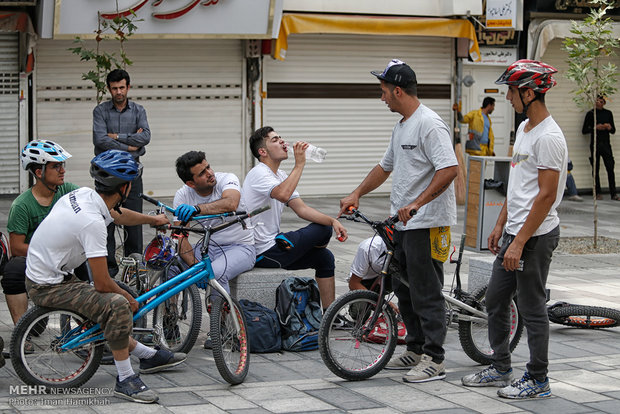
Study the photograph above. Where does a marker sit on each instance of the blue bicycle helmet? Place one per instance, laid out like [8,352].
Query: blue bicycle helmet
[42,152]
[159,252]
[113,168]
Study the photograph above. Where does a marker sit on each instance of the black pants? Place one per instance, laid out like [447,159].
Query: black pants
[133,242]
[422,306]
[603,150]
[529,286]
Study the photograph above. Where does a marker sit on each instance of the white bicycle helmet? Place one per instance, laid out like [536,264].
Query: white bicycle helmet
[42,152]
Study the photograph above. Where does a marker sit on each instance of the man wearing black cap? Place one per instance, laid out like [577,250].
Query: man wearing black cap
[421,157]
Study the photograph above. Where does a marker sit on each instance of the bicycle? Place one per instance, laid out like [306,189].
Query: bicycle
[68,352]
[583,316]
[347,347]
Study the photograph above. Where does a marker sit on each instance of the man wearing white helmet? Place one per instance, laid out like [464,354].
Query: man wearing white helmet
[45,160]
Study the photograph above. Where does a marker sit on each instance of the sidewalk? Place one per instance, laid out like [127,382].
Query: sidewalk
[584,365]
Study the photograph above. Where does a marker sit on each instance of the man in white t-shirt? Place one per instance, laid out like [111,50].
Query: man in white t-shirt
[207,192]
[267,184]
[75,230]
[421,159]
[529,229]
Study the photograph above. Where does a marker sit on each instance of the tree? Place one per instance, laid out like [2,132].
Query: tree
[120,28]
[589,50]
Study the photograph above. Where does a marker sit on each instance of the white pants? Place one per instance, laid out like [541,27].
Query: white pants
[229,260]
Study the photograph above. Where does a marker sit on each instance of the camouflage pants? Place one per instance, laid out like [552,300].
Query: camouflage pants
[110,310]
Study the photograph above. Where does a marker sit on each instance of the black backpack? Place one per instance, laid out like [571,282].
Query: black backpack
[298,305]
[262,326]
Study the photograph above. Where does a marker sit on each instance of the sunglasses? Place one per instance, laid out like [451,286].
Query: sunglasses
[57,166]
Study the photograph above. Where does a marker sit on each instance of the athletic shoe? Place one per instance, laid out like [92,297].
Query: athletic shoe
[574,198]
[133,389]
[426,370]
[208,344]
[162,359]
[406,360]
[488,377]
[28,349]
[341,322]
[526,387]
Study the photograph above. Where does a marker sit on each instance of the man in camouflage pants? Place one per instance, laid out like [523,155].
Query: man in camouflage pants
[75,230]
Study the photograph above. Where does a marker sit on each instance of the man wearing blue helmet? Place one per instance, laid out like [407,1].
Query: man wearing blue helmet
[45,160]
[74,231]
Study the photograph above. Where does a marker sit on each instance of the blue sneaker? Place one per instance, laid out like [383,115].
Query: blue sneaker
[526,387]
[488,377]
[162,359]
[133,389]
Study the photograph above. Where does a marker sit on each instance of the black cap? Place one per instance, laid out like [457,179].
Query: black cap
[396,72]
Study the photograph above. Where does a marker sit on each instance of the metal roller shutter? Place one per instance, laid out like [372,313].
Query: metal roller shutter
[191,90]
[9,114]
[354,131]
[570,118]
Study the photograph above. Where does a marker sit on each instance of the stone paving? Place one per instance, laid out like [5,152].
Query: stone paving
[584,365]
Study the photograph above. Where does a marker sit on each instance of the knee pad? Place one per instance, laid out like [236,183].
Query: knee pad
[14,279]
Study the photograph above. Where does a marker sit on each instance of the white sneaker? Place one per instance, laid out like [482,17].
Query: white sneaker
[425,371]
[406,360]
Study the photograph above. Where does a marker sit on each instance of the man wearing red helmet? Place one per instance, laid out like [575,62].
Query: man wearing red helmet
[528,226]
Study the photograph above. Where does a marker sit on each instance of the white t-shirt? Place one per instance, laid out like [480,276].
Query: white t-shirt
[420,146]
[257,193]
[224,181]
[544,147]
[369,259]
[75,230]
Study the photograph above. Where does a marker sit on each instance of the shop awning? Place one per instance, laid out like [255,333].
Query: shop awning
[387,26]
[20,22]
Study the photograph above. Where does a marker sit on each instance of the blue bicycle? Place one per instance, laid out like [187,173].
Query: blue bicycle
[68,347]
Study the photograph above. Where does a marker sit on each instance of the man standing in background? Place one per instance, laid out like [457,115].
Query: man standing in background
[121,124]
[480,137]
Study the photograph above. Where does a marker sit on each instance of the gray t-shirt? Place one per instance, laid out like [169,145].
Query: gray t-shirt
[420,146]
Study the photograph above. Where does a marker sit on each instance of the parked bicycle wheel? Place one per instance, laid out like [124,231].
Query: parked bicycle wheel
[44,363]
[231,349]
[176,322]
[474,336]
[588,317]
[344,343]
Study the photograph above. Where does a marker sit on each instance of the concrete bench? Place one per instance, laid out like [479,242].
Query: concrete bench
[480,269]
[260,284]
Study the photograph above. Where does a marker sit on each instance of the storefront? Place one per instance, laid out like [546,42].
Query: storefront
[188,73]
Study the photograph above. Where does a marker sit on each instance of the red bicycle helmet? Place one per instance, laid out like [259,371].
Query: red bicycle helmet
[159,252]
[530,74]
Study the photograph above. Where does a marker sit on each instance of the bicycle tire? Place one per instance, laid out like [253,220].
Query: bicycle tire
[474,337]
[47,365]
[107,358]
[231,350]
[343,349]
[586,317]
[176,324]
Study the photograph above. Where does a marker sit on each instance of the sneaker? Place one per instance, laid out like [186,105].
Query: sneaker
[615,197]
[599,196]
[162,359]
[133,389]
[574,198]
[28,349]
[340,322]
[406,360]
[488,377]
[426,370]
[526,387]
[208,344]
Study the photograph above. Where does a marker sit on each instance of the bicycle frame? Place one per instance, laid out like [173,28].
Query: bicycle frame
[199,272]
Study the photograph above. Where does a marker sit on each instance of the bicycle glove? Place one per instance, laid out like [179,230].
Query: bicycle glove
[185,212]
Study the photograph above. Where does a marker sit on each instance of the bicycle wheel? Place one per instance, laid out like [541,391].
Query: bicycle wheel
[474,336]
[231,349]
[176,321]
[47,364]
[344,348]
[587,317]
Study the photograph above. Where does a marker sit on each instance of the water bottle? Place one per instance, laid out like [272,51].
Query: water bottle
[313,153]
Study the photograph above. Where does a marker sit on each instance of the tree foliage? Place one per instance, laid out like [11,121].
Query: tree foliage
[118,29]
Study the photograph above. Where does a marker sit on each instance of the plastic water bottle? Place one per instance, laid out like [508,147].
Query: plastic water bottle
[313,153]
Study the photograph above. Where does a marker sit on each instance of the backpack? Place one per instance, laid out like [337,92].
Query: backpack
[5,252]
[262,326]
[298,305]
